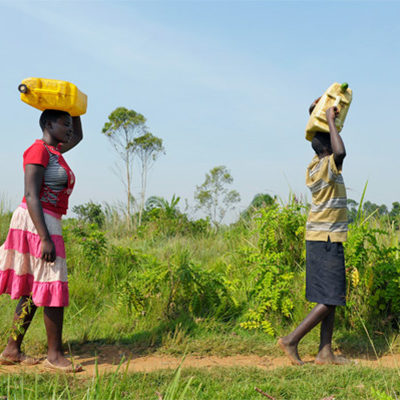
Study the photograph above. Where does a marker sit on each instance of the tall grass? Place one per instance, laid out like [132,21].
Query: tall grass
[308,382]
[174,285]
[137,287]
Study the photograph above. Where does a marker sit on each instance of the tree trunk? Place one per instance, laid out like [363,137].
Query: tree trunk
[128,188]
[143,192]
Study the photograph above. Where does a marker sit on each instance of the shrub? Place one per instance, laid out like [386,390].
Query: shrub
[273,263]
[90,212]
[373,267]
[180,285]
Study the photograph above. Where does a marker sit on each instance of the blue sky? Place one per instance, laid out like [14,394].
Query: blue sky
[221,82]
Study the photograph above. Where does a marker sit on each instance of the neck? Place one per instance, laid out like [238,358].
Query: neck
[48,139]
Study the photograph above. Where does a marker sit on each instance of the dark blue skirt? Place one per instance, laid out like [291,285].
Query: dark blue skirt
[325,273]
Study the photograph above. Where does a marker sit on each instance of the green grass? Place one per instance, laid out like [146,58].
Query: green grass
[163,326]
[308,382]
[90,327]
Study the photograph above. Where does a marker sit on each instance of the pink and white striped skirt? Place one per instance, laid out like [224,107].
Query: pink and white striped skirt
[23,272]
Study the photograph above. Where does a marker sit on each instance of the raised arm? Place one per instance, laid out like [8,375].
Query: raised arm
[33,182]
[77,136]
[338,149]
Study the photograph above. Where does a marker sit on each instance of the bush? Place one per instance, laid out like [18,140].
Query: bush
[158,222]
[90,212]
[180,286]
[373,267]
[251,272]
[273,264]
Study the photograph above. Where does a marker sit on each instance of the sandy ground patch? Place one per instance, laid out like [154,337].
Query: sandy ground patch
[110,358]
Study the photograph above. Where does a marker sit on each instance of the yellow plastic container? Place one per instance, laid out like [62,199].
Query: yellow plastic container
[53,94]
[338,95]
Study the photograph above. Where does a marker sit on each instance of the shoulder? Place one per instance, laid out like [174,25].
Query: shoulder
[315,162]
[36,154]
[35,146]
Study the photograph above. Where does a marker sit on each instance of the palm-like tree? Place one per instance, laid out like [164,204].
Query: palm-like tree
[170,208]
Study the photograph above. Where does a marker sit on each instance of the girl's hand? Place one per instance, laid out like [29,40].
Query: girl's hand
[332,113]
[48,250]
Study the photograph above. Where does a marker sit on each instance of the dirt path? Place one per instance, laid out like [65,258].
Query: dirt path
[110,357]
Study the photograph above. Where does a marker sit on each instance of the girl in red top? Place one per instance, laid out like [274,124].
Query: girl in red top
[32,260]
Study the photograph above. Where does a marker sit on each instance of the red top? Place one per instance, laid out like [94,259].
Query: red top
[41,153]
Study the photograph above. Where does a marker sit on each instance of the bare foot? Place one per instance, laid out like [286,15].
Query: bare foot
[291,351]
[330,358]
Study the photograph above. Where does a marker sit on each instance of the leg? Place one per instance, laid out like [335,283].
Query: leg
[53,320]
[290,342]
[325,345]
[23,316]
[325,354]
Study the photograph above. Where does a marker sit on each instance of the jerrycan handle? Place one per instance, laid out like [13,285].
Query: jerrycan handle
[24,89]
[337,101]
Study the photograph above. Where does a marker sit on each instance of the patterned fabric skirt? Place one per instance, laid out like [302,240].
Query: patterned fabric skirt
[23,272]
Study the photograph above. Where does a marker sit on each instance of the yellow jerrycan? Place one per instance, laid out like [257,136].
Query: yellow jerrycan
[53,94]
[338,95]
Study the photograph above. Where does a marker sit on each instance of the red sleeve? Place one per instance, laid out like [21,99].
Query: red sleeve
[36,154]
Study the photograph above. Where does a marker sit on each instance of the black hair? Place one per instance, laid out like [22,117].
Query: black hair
[51,115]
[321,143]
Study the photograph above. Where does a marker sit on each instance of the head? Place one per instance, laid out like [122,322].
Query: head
[58,124]
[321,143]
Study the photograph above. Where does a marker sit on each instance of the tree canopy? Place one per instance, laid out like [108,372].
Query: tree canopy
[213,196]
[122,128]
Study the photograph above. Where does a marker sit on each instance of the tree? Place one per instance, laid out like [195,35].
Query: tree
[260,200]
[147,147]
[90,212]
[213,197]
[394,214]
[395,211]
[372,208]
[122,128]
[352,210]
[170,208]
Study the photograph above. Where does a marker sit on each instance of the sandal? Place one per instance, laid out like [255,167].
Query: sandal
[69,368]
[24,360]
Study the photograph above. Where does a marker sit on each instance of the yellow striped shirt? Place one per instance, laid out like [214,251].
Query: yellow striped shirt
[328,213]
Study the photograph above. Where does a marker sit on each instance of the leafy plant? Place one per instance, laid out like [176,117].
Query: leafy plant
[163,218]
[90,212]
[272,264]
[379,395]
[91,239]
[373,266]
[180,285]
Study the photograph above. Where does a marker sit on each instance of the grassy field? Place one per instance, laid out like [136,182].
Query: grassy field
[309,382]
[175,287]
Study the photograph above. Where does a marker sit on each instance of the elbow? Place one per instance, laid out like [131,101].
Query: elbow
[30,198]
[339,157]
[77,129]
[341,154]
[79,137]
